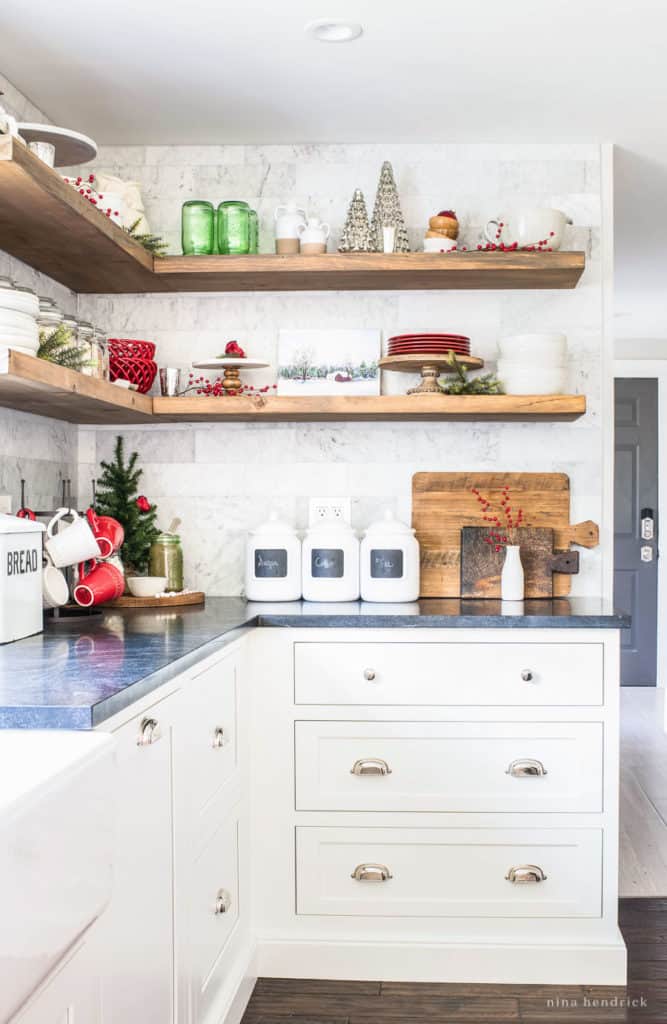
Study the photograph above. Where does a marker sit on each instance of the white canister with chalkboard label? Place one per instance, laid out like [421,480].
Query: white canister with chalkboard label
[273,563]
[331,563]
[389,564]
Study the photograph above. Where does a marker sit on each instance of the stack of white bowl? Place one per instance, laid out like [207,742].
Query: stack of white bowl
[19,308]
[533,364]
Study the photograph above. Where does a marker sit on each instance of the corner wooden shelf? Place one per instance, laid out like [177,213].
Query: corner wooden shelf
[383,407]
[33,385]
[49,226]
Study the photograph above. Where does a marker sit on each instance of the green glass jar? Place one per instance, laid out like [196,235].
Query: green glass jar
[166,559]
[233,227]
[253,232]
[197,228]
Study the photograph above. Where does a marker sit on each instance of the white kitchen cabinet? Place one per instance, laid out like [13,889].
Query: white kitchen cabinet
[72,995]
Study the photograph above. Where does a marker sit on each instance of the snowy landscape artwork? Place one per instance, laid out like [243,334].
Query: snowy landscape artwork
[327,362]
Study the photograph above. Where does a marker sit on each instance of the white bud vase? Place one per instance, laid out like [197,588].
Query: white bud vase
[512,578]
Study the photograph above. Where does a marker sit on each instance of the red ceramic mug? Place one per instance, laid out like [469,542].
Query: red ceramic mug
[104,582]
[109,533]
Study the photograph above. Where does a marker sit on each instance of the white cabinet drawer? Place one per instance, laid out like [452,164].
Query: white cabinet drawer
[448,766]
[519,674]
[213,911]
[209,741]
[448,872]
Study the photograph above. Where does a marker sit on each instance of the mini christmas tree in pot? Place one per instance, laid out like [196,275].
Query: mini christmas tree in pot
[117,496]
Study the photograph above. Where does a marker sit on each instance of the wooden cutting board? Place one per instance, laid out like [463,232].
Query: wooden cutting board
[442,504]
[481,564]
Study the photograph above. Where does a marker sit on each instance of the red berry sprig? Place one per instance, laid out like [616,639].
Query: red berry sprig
[500,534]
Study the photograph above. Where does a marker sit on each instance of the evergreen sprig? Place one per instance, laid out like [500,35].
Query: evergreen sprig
[487,384]
[151,243]
[57,347]
[116,496]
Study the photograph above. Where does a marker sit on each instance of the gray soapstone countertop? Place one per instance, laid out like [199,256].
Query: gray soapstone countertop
[79,673]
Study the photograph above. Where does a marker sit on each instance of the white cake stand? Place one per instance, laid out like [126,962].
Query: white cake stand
[231,367]
[72,148]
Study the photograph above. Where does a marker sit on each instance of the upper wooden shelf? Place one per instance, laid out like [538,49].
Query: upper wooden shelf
[49,226]
[33,385]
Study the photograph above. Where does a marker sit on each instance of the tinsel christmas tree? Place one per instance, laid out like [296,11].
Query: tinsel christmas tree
[387,212]
[356,236]
[117,496]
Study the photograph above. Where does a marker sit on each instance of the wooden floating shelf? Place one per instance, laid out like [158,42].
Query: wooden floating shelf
[33,385]
[49,226]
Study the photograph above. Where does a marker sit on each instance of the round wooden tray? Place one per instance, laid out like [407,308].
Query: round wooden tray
[127,601]
[414,362]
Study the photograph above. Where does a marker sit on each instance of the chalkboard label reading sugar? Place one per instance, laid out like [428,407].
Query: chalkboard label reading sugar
[270,563]
[386,563]
[327,563]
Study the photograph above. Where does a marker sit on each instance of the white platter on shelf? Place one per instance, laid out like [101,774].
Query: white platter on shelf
[72,148]
[230,364]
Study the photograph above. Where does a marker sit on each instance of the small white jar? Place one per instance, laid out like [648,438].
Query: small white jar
[389,562]
[331,563]
[273,562]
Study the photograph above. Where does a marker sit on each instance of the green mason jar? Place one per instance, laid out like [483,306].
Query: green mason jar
[233,227]
[197,228]
[166,559]
[253,232]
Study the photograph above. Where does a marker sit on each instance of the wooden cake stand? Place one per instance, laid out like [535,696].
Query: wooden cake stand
[430,366]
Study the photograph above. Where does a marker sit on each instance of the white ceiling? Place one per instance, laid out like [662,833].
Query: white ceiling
[208,71]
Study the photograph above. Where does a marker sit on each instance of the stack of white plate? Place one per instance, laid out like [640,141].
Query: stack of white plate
[19,308]
[533,364]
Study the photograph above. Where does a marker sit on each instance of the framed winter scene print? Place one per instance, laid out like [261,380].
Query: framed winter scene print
[322,362]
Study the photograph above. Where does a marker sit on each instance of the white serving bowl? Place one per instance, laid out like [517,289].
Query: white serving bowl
[519,379]
[12,318]
[146,586]
[541,348]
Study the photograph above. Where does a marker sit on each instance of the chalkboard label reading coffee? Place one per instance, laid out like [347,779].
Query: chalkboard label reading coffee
[386,563]
[270,563]
[327,563]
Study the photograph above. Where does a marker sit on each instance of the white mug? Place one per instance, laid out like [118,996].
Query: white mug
[76,543]
[55,592]
[528,226]
[439,244]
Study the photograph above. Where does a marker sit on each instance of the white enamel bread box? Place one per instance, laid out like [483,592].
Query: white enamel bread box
[20,578]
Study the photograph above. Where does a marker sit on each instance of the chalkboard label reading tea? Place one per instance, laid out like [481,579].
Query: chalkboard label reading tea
[327,563]
[386,563]
[270,563]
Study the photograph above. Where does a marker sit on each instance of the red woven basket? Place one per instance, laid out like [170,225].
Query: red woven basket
[138,371]
[132,347]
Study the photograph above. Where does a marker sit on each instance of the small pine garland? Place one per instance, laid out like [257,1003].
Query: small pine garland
[488,384]
[57,347]
[117,496]
[151,243]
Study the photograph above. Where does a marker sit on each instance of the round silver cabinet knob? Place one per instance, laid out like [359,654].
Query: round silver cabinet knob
[527,675]
[369,674]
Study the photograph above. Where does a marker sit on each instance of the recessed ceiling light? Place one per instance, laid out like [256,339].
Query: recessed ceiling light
[330,30]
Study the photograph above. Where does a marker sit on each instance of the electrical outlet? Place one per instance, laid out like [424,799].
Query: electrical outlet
[321,510]
[6,503]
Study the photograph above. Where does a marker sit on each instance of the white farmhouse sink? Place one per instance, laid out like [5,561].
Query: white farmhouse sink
[56,847]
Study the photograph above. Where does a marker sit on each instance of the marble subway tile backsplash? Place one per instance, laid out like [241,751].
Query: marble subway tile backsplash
[223,479]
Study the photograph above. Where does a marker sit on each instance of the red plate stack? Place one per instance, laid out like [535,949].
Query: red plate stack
[436,344]
[132,360]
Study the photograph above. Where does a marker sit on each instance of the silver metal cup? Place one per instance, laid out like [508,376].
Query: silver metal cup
[170,381]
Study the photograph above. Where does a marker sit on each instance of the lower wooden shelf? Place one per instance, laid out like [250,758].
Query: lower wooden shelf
[382,407]
[33,385]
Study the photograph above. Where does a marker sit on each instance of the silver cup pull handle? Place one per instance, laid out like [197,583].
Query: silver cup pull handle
[524,767]
[370,766]
[149,732]
[525,873]
[219,738]
[371,873]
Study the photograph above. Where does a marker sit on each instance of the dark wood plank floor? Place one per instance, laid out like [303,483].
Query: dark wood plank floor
[644,926]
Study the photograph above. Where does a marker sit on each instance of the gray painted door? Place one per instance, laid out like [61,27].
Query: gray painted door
[635,519]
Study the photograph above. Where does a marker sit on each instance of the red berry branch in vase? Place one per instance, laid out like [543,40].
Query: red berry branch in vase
[502,531]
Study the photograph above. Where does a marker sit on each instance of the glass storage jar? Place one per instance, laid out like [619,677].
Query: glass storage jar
[233,227]
[49,317]
[197,228]
[253,232]
[166,559]
[85,342]
[102,354]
